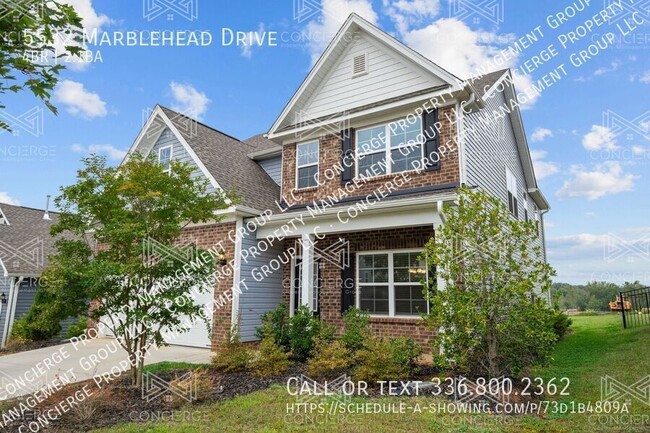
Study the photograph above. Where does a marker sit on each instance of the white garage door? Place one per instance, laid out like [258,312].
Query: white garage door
[198,335]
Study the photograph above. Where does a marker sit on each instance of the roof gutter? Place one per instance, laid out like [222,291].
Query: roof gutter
[265,153]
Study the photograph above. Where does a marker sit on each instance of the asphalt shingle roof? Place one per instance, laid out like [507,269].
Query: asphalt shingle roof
[484,82]
[25,242]
[226,158]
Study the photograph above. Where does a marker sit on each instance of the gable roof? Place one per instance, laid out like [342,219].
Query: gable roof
[485,82]
[337,46]
[25,242]
[222,158]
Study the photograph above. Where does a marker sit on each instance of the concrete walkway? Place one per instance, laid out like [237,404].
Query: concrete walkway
[26,372]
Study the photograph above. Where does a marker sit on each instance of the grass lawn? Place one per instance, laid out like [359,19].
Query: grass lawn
[597,347]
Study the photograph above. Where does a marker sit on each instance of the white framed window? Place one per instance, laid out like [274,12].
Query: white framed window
[389,283]
[165,157]
[307,164]
[511,183]
[389,148]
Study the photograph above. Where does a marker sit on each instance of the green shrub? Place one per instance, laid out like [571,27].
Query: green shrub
[303,330]
[331,359]
[560,323]
[78,328]
[271,360]
[276,324]
[386,360]
[357,329]
[233,355]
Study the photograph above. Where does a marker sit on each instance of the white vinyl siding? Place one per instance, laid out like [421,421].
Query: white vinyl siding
[388,76]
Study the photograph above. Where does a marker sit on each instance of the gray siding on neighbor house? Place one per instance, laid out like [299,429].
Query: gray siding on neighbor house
[167,138]
[5,283]
[257,297]
[490,147]
[273,167]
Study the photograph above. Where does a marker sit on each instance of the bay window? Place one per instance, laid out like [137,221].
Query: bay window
[307,164]
[389,148]
[390,283]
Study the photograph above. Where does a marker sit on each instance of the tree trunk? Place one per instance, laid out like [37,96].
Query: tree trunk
[493,345]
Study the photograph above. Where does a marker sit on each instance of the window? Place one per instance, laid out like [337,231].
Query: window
[307,164]
[512,193]
[165,157]
[390,283]
[390,148]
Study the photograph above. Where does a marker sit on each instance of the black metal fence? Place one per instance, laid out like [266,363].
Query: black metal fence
[635,307]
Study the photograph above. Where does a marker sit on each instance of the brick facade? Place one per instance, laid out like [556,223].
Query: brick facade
[330,158]
[213,236]
[330,279]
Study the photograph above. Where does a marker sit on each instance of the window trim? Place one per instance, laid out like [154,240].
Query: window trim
[511,189]
[317,164]
[387,150]
[391,284]
[171,153]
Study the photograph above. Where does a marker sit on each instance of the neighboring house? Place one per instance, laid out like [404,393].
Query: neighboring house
[320,189]
[25,244]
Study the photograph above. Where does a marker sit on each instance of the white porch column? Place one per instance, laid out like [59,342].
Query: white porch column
[307,270]
[440,283]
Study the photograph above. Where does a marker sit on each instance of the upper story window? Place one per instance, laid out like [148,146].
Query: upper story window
[511,182]
[389,283]
[307,164]
[389,148]
[165,157]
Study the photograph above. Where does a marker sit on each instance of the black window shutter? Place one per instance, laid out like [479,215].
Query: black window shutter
[347,155]
[348,285]
[432,159]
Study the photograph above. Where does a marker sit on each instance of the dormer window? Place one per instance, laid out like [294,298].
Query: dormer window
[165,157]
[360,65]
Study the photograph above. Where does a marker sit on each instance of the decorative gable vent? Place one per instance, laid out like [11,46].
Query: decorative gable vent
[360,65]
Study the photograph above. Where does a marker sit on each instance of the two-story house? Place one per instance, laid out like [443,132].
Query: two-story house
[340,196]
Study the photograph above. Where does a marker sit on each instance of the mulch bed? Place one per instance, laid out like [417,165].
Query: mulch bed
[28,345]
[119,402]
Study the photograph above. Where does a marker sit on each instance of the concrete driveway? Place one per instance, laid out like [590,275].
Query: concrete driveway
[26,372]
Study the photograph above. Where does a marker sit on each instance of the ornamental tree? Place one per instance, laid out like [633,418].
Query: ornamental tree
[493,315]
[34,35]
[108,218]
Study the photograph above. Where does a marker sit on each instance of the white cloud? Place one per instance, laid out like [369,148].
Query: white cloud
[334,13]
[91,22]
[464,52]
[600,137]
[604,70]
[645,77]
[640,150]
[543,169]
[79,101]
[109,150]
[253,39]
[540,134]
[408,13]
[5,198]
[188,100]
[604,179]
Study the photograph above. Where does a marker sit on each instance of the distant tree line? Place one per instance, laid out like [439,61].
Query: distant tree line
[595,295]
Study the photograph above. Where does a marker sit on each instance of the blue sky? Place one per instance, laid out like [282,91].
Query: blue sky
[594,170]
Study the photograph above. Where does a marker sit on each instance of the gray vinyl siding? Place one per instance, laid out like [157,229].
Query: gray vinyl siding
[273,167]
[257,297]
[490,147]
[167,138]
[5,284]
